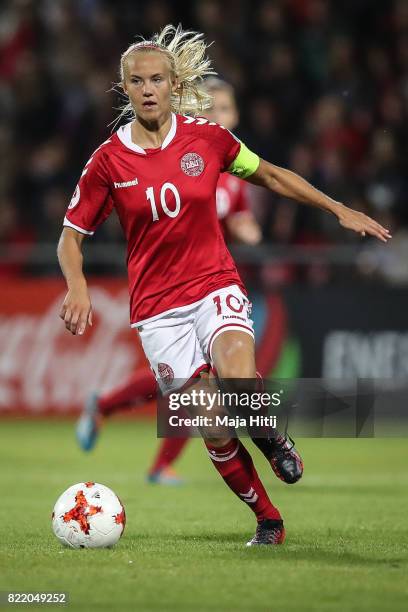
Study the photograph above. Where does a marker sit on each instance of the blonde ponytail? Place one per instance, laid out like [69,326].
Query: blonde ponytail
[186,52]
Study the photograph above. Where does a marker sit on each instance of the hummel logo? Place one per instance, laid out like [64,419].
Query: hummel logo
[126,184]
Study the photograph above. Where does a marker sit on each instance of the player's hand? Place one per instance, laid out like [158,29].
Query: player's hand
[362,224]
[76,311]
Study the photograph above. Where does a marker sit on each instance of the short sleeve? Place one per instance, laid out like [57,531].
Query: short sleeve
[91,203]
[226,145]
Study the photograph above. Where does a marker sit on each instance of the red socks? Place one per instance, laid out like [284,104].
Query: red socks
[235,465]
[169,450]
[139,388]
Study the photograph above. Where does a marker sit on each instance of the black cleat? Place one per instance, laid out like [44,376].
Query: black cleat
[268,531]
[285,460]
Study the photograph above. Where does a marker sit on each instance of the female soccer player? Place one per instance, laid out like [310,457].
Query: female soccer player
[239,225]
[186,298]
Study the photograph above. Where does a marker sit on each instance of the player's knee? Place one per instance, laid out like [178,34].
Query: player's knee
[235,370]
[234,357]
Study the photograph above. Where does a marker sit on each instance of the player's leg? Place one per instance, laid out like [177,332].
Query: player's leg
[225,315]
[138,389]
[234,464]
[172,347]
[233,355]
[239,471]
[161,470]
[225,331]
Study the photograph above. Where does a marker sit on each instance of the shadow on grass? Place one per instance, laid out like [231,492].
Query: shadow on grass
[290,552]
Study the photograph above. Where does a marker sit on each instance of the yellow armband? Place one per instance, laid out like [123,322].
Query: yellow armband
[245,163]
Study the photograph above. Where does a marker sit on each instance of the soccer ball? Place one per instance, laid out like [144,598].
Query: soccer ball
[88,515]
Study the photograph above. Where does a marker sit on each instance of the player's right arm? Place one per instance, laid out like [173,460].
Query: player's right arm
[89,207]
[243,228]
[240,221]
[76,310]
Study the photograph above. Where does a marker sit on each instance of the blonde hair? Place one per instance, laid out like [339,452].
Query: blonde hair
[186,52]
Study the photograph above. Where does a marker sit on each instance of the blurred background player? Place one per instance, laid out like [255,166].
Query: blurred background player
[239,225]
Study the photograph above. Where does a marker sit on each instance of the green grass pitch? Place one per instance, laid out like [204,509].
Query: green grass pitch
[184,548]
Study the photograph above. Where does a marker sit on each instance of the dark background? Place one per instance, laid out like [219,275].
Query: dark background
[322,87]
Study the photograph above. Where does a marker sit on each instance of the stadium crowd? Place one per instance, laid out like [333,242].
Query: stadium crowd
[322,89]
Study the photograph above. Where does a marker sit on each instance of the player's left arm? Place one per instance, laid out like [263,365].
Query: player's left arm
[291,185]
[249,166]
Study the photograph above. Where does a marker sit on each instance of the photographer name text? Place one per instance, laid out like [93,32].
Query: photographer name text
[255,420]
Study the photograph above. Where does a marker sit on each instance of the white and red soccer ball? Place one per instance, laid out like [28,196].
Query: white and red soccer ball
[88,515]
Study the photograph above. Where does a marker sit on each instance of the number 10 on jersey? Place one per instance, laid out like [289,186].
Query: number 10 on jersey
[163,191]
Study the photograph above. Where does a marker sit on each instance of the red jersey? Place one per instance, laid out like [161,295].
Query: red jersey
[166,203]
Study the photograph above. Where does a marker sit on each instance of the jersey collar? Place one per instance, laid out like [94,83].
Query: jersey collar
[125,136]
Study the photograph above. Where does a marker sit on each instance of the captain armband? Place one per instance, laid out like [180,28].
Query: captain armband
[245,163]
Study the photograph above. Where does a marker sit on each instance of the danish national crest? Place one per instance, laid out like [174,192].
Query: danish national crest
[166,373]
[192,164]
